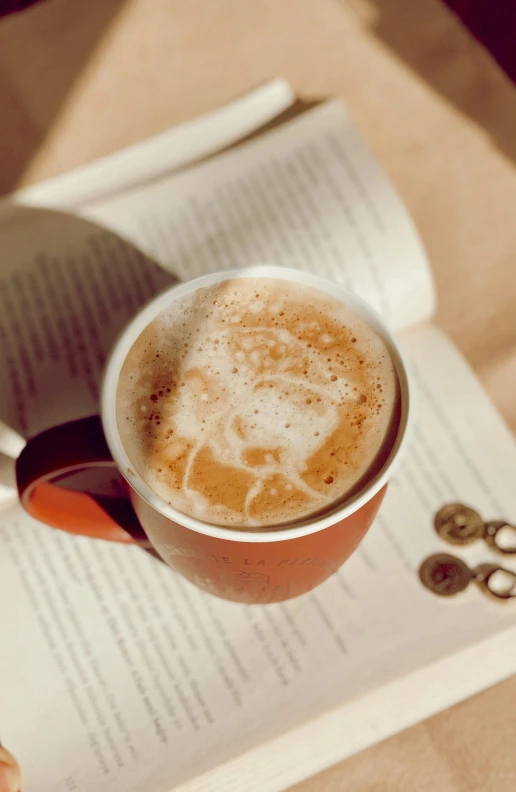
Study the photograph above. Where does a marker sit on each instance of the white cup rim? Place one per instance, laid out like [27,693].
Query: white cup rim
[282,533]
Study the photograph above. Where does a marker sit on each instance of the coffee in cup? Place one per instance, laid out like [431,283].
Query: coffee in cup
[253,403]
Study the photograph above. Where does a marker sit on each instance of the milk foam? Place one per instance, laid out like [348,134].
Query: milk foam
[256,402]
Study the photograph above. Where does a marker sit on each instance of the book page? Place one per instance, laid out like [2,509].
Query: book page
[163,153]
[145,682]
[308,194]
[67,288]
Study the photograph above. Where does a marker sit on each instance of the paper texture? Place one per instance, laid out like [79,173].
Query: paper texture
[67,287]
[316,745]
[139,680]
[307,195]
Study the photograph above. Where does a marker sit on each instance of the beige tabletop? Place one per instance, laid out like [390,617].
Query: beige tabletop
[81,78]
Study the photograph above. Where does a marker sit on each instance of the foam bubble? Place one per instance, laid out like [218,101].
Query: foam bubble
[249,424]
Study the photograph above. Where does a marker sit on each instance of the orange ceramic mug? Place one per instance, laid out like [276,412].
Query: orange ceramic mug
[246,566]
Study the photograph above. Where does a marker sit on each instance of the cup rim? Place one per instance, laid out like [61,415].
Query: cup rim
[260,535]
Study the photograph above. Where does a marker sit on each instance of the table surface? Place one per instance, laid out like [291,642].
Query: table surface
[81,78]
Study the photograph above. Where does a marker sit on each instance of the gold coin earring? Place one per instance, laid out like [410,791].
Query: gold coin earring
[461,525]
[446,576]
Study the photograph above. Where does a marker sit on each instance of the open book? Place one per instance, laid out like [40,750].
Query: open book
[117,673]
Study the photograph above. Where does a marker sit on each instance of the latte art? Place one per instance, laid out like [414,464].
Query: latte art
[256,402]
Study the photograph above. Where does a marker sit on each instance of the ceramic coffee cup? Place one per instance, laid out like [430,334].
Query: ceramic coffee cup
[253,566]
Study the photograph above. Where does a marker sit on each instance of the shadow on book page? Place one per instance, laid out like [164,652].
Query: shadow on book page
[67,288]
